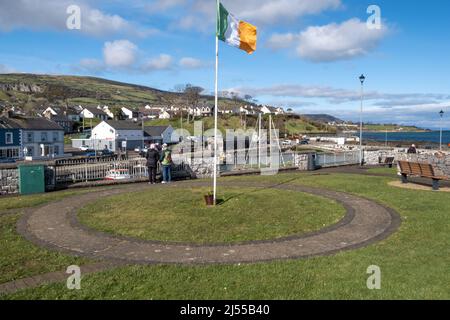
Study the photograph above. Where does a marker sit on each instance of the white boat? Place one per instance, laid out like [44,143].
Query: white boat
[118,174]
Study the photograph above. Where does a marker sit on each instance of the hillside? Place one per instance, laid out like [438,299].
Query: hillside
[30,91]
[325,118]
[391,128]
[34,92]
[287,125]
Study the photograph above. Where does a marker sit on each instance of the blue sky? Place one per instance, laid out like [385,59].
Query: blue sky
[310,52]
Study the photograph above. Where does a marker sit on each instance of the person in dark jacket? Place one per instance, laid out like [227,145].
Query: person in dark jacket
[412,149]
[152,163]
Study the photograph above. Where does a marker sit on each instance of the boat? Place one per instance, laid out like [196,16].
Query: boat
[118,174]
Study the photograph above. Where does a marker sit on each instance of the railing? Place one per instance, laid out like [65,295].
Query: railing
[337,159]
[93,169]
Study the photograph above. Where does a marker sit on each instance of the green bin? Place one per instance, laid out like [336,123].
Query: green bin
[31,179]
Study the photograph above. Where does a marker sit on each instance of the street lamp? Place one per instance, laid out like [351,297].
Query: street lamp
[362,78]
[441,113]
[95,144]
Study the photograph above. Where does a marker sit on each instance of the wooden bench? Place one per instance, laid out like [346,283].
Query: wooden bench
[423,170]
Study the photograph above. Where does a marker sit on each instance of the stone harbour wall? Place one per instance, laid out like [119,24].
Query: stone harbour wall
[440,160]
[204,168]
[9,181]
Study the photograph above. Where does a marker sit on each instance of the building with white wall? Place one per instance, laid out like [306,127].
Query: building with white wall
[118,135]
[92,113]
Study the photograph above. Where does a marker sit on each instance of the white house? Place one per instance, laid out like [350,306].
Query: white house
[113,135]
[250,110]
[164,115]
[118,135]
[160,134]
[50,111]
[265,110]
[71,113]
[91,113]
[206,111]
[108,112]
[279,111]
[127,113]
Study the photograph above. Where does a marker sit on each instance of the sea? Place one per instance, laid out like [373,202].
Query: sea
[424,137]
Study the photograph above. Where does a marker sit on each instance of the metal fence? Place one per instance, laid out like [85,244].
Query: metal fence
[337,159]
[93,169]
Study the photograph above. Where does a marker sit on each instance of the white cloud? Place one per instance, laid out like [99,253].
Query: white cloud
[120,53]
[192,63]
[402,108]
[200,14]
[269,12]
[163,62]
[331,42]
[124,55]
[340,96]
[334,42]
[162,5]
[52,15]
[281,41]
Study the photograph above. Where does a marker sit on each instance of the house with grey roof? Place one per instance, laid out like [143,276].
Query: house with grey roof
[92,113]
[159,134]
[9,141]
[125,134]
[38,138]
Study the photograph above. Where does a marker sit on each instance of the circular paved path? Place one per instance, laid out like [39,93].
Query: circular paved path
[55,226]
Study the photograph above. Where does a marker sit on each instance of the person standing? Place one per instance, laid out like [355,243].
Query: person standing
[152,163]
[166,162]
[412,149]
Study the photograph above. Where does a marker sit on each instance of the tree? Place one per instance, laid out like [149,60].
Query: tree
[117,112]
[192,94]
[248,98]
[179,88]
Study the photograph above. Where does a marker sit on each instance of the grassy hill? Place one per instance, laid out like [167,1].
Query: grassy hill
[287,125]
[33,92]
[30,91]
[391,128]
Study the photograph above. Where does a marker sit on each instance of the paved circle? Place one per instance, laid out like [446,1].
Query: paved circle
[55,226]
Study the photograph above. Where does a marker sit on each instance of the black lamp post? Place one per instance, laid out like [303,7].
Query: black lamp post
[441,113]
[362,78]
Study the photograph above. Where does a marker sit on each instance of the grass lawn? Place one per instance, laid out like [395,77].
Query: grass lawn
[181,215]
[414,261]
[384,170]
[18,257]
[19,202]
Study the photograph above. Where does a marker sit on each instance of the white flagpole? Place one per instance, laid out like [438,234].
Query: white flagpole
[216,105]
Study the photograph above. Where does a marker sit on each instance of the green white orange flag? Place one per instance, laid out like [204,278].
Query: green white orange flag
[235,32]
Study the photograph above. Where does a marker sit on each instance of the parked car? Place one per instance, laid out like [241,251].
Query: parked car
[106,152]
[140,150]
[90,153]
[7,161]
[84,148]
[303,142]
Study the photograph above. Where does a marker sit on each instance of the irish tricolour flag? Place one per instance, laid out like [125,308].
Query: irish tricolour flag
[235,32]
